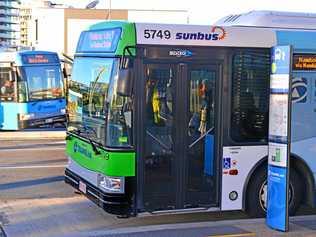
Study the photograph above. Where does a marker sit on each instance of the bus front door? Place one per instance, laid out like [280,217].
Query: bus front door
[179,165]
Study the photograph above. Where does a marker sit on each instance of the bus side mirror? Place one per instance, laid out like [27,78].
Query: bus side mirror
[125,82]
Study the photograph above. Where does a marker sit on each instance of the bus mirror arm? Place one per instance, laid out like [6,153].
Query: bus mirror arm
[70,60]
[125,62]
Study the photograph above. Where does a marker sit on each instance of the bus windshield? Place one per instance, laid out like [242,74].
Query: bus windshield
[88,89]
[95,110]
[43,82]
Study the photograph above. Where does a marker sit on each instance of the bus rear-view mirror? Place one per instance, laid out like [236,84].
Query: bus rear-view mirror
[125,82]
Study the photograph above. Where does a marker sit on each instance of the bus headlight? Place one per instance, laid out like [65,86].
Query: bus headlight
[111,184]
[26,116]
[63,111]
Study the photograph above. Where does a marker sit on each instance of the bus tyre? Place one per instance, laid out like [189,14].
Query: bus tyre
[256,199]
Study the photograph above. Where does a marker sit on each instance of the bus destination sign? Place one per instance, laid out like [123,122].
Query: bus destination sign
[99,40]
[40,58]
[304,62]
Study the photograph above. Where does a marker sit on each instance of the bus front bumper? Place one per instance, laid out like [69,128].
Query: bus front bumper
[117,204]
[31,123]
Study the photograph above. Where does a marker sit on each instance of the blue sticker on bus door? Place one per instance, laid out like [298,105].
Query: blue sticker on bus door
[209,155]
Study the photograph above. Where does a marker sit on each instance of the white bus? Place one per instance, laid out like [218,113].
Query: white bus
[182,117]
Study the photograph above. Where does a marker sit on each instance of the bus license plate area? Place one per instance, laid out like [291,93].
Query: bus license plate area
[82,187]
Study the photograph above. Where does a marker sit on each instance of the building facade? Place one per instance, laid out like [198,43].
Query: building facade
[58,29]
[25,26]
[9,23]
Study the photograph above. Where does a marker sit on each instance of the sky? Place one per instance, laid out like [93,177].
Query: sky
[203,11]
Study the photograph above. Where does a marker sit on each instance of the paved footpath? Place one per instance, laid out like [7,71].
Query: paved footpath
[299,226]
[78,217]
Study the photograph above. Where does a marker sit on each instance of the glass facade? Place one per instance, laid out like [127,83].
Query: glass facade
[9,23]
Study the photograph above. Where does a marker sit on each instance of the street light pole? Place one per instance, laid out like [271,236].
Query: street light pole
[110,9]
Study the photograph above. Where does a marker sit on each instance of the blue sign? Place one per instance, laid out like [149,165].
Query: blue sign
[40,59]
[276,216]
[105,41]
[227,163]
[281,60]
[279,138]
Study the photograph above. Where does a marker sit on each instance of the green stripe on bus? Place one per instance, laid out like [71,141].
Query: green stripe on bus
[107,163]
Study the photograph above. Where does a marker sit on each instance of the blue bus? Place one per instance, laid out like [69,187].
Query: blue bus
[31,90]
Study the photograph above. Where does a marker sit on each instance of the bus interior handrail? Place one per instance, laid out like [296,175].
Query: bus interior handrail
[201,137]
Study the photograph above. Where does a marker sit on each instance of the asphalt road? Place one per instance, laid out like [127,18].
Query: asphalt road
[34,200]
[32,169]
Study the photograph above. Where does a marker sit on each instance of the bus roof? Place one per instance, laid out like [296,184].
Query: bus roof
[20,57]
[271,19]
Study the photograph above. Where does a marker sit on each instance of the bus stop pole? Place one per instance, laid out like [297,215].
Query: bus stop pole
[279,139]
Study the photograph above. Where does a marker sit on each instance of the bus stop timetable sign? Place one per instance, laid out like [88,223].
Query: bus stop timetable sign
[279,138]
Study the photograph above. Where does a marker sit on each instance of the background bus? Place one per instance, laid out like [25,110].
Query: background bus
[31,90]
[175,117]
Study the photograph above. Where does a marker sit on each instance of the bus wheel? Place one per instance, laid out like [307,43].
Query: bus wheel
[256,198]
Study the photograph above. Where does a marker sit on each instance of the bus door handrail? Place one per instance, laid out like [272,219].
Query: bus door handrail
[201,137]
[158,141]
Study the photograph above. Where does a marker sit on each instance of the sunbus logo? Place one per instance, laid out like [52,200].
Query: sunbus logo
[217,33]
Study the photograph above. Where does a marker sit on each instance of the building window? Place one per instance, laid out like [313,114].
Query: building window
[250,96]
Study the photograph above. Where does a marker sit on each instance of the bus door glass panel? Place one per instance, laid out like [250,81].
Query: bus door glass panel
[7,85]
[201,175]
[159,190]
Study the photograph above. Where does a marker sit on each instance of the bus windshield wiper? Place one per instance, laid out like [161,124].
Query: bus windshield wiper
[87,132]
[94,148]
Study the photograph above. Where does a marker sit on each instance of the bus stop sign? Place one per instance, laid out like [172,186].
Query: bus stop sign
[279,138]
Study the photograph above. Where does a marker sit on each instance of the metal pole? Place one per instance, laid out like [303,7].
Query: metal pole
[110,10]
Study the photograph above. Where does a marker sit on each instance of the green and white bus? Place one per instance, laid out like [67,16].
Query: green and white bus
[174,118]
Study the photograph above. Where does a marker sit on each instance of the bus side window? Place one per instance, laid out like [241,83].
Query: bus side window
[250,96]
[6,85]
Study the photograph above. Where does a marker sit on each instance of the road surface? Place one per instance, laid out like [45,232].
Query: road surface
[34,200]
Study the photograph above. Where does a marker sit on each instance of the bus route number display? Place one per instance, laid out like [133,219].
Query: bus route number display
[99,40]
[304,62]
[40,58]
